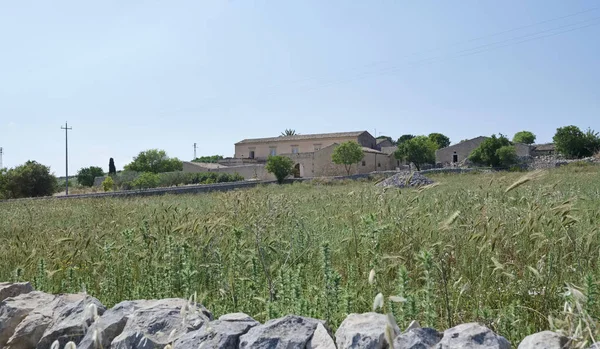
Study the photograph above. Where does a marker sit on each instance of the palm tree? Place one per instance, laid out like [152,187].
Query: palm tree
[288,132]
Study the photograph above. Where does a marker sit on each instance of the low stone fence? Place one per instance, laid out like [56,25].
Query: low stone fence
[31,319]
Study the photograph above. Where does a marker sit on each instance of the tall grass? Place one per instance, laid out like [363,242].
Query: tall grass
[465,250]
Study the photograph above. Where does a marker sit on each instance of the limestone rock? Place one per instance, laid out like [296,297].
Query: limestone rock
[111,324]
[321,339]
[237,317]
[8,289]
[158,323]
[472,335]
[70,319]
[418,338]
[288,332]
[14,310]
[405,179]
[365,331]
[217,334]
[544,340]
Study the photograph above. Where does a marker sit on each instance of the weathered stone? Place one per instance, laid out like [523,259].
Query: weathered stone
[544,340]
[237,317]
[8,289]
[159,323]
[365,331]
[69,319]
[413,324]
[472,335]
[13,310]
[217,334]
[289,332]
[321,339]
[418,338]
[111,324]
[405,179]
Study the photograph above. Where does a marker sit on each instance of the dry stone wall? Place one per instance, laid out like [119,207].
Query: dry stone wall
[36,320]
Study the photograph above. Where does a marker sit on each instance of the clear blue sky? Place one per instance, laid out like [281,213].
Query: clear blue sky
[133,75]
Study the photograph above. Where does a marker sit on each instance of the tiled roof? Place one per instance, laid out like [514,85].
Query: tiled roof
[369,150]
[302,137]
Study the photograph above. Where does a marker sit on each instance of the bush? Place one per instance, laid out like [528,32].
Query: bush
[87,175]
[486,153]
[507,155]
[31,179]
[280,167]
[573,143]
[146,180]
[108,184]
[155,161]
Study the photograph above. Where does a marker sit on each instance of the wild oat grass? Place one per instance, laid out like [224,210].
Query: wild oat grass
[467,249]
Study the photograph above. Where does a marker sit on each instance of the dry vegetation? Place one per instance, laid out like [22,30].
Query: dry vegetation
[498,248]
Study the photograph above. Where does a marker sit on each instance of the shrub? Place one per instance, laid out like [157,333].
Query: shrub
[147,180]
[507,155]
[573,143]
[280,167]
[31,179]
[347,154]
[87,175]
[108,184]
[155,161]
[418,150]
[486,153]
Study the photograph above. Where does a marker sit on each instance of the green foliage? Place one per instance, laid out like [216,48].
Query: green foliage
[440,140]
[347,154]
[31,179]
[419,150]
[155,161]
[125,180]
[464,251]
[280,167]
[525,137]
[404,138]
[146,180]
[573,143]
[86,175]
[209,159]
[486,153]
[112,170]
[507,155]
[288,132]
[108,184]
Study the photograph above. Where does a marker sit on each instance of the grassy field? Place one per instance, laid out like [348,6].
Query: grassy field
[460,251]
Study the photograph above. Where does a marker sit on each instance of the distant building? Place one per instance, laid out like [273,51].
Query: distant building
[457,152]
[543,149]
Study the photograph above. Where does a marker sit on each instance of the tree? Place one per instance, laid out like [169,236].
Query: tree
[146,180]
[209,159]
[440,140]
[507,155]
[525,137]
[486,153]
[155,161]
[404,138]
[573,143]
[31,179]
[346,154]
[418,150]
[288,132]
[280,167]
[108,184]
[112,170]
[87,175]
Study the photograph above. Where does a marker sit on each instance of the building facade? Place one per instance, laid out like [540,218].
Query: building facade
[457,152]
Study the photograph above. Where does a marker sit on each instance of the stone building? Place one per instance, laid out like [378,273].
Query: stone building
[543,149]
[457,152]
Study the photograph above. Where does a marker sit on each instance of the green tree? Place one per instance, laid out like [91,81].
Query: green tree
[147,180]
[347,154]
[525,137]
[573,143]
[507,155]
[404,138]
[280,167]
[209,159]
[31,179]
[418,150]
[112,170]
[486,153]
[155,161]
[3,183]
[288,132]
[108,184]
[440,140]
[87,175]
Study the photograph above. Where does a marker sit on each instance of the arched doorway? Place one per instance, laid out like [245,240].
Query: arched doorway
[298,171]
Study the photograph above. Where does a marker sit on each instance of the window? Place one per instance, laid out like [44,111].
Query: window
[295,149]
[379,164]
[364,163]
[317,147]
[454,157]
[272,151]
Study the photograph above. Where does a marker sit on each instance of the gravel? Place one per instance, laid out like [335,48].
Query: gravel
[405,179]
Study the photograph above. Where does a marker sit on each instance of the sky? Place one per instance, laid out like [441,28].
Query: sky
[134,75]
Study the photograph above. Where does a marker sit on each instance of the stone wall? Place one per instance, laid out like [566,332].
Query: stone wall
[36,320]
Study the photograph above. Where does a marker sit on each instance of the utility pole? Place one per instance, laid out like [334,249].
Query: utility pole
[194,151]
[66,128]
[1,151]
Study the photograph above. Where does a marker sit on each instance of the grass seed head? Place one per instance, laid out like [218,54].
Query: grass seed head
[55,345]
[378,302]
[372,277]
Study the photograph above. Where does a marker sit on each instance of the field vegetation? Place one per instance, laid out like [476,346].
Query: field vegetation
[518,252]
